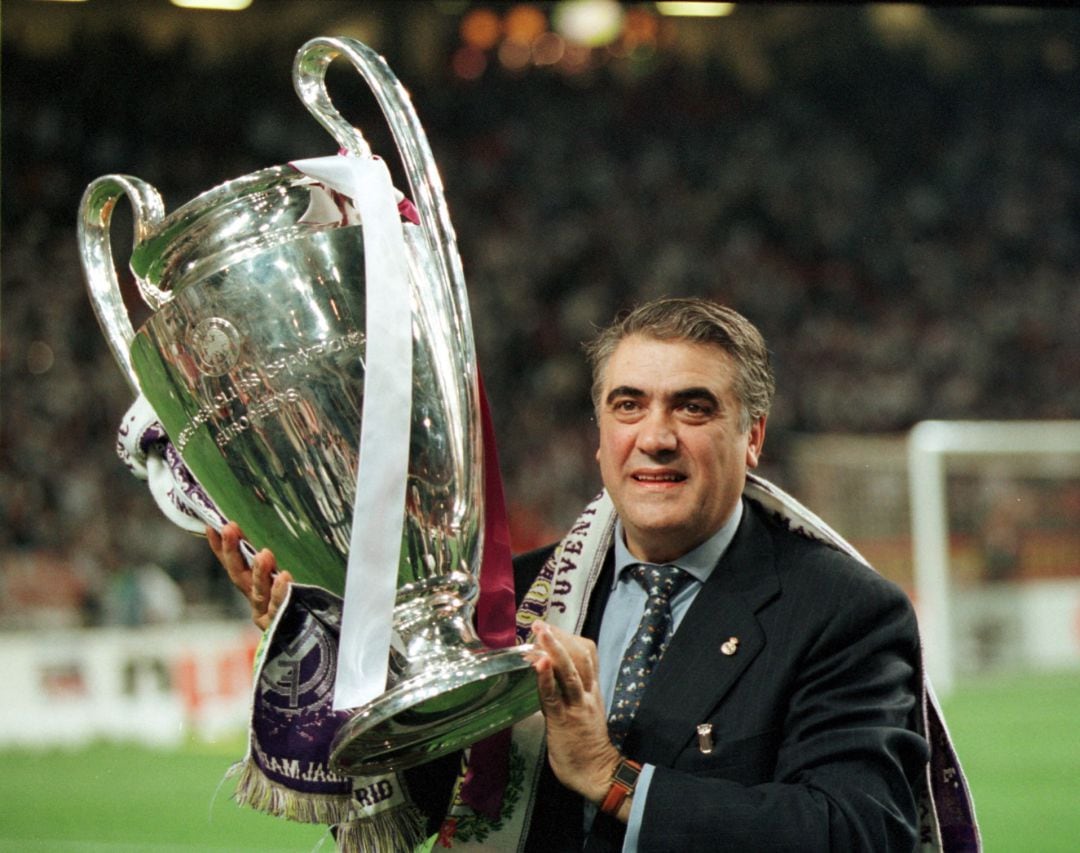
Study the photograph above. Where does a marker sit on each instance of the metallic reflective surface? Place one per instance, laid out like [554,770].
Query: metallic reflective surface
[436,712]
[254,362]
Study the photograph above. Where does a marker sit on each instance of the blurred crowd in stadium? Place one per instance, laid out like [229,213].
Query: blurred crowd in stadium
[905,235]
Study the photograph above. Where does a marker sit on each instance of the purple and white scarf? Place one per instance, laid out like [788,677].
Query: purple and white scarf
[560,596]
[285,772]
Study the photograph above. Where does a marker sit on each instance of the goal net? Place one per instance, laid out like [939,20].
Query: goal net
[978,521]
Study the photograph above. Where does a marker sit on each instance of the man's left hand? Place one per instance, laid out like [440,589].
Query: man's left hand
[579,748]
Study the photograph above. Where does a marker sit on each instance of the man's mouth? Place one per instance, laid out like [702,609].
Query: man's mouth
[659,478]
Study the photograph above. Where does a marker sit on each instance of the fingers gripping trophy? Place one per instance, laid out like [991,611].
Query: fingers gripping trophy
[310,357]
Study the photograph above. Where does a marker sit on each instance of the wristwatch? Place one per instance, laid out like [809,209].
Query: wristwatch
[623,781]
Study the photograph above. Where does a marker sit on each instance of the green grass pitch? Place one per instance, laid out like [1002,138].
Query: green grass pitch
[112,797]
[1017,738]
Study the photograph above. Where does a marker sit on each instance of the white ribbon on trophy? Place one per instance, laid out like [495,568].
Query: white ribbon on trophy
[382,470]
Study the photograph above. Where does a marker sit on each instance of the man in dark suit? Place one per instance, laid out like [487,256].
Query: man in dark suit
[783,714]
[779,703]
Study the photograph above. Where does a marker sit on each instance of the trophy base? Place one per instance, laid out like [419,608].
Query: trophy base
[437,712]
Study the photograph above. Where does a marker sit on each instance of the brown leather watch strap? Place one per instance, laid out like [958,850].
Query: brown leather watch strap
[623,781]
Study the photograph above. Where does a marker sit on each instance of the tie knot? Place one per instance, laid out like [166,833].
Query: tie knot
[660,582]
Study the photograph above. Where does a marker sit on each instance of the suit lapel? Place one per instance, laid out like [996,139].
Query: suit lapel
[695,672]
[598,602]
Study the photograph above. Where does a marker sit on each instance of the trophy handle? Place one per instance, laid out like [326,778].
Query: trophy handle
[425,184]
[95,249]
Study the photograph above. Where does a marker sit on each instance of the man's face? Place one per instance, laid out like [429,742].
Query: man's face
[671,454]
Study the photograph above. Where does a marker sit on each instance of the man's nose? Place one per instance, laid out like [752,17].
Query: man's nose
[657,435]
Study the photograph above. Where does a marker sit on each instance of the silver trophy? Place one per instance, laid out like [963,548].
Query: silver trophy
[254,360]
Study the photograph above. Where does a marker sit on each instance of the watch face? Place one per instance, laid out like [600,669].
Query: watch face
[626,774]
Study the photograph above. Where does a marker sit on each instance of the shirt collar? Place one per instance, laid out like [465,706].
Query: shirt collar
[698,563]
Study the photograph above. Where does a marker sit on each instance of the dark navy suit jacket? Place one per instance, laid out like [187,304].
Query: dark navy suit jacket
[814,718]
[816,743]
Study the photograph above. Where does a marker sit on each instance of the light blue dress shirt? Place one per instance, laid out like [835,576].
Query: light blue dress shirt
[622,615]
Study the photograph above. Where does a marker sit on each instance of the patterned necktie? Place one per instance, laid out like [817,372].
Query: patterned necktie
[661,583]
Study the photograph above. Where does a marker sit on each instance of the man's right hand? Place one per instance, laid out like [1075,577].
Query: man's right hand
[261,583]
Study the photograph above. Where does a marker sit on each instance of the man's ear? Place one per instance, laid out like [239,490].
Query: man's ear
[755,441]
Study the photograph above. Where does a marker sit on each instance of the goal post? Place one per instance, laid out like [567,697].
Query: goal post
[1049,449]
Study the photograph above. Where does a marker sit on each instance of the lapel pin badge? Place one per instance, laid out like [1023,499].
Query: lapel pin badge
[704,738]
[730,646]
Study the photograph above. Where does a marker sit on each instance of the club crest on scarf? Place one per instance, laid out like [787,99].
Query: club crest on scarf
[300,678]
[292,724]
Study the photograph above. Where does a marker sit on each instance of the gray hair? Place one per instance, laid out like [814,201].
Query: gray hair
[698,321]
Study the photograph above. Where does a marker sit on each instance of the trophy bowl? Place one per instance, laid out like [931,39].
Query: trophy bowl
[254,360]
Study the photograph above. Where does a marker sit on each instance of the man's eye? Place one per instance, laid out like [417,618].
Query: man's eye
[625,406]
[696,409]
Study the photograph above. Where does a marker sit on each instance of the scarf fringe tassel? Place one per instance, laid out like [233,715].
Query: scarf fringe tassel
[397,830]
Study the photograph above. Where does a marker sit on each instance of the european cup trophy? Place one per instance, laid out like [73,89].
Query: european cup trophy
[270,359]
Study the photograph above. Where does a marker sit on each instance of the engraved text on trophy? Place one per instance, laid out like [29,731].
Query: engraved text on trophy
[249,386]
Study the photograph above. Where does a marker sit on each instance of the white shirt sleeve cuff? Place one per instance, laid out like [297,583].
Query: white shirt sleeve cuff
[637,809]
